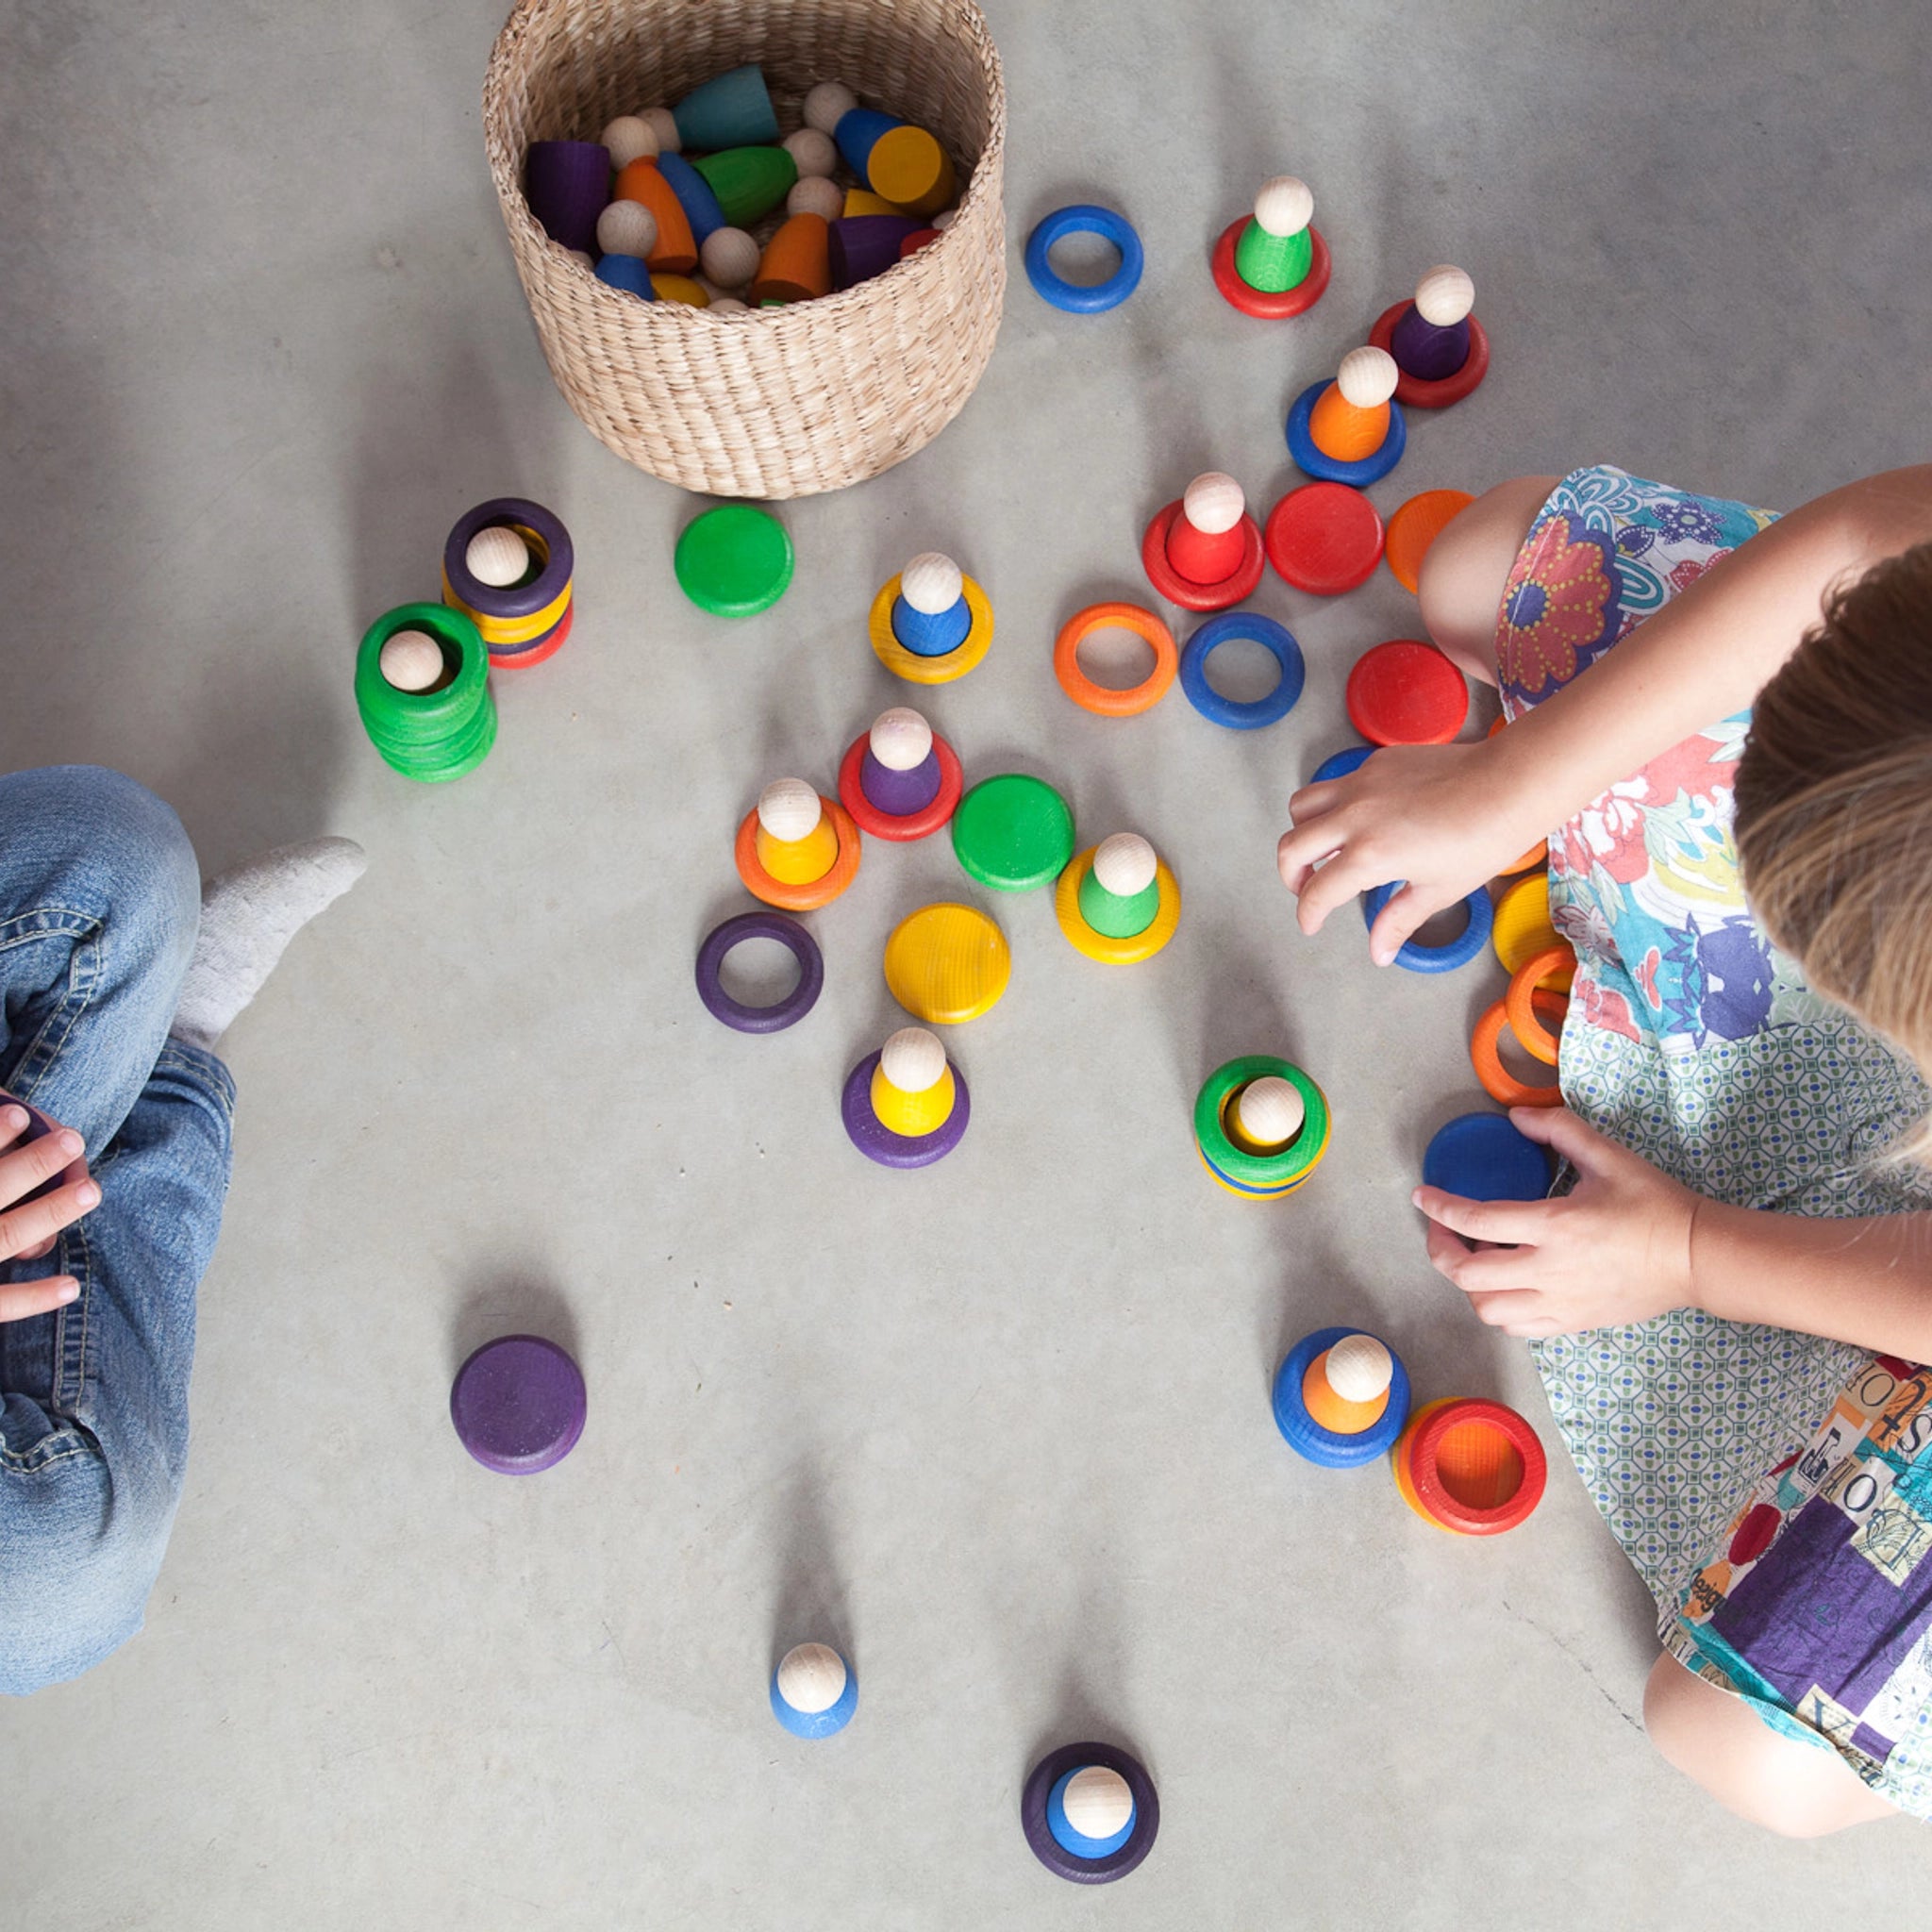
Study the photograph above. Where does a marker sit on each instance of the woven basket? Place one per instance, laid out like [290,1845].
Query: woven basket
[777,402]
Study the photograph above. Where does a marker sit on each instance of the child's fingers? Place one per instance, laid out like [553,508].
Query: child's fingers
[1575,1139]
[22,1170]
[1476,1270]
[1516,1311]
[13,1122]
[1302,848]
[1397,920]
[34,1222]
[19,1299]
[1508,1224]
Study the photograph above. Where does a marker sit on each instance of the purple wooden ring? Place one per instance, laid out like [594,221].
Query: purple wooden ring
[782,1013]
[566,184]
[1049,1850]
[514,600]
[900,793]
[518,1404]
[879,1143]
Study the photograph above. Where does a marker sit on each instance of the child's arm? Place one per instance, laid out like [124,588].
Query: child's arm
[1446,818]
[1629,1242]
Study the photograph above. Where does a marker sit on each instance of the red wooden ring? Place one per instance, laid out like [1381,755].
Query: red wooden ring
[547,646]
[1412,391]
[1176,588]
[884,825]
[1464,1517]
[1294,301]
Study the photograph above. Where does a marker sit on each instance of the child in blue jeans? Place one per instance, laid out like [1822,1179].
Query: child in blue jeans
[1730,1304]
[117,976]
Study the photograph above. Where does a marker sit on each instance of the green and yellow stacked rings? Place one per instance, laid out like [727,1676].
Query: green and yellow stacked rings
[1259,1177]
[432,736]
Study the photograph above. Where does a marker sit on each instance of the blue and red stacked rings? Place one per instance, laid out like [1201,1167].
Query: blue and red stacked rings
[1257,1173]
[521,623]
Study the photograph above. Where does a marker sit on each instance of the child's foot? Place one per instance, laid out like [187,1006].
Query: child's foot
[247,917]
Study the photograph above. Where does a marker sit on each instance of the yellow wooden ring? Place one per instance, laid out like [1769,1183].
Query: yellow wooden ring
[510,631]
[1097,945]
[1522,929]
[816,892]
[948,963]
[910,664]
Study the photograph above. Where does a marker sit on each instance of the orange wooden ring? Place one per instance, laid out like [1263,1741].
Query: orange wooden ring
[1097,698]
[1498,1082]
[814,893]
[1521,1008]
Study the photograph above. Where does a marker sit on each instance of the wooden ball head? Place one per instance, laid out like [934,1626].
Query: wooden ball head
[912,1059]
[815,152]
[663,123]
[630,138]
[811,1677]
[497,556]
[812,194]
[728,255]
[901,738]
[1207,541]
[1097,1802]
[1124,864]
[932,583]
[411,660]
[1445,296]
[828,105]
[788,810]
[627,228]
[1358,1368]
[1270,1112]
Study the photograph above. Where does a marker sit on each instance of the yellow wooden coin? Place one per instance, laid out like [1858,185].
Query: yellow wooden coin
[948,963]
[1521,927]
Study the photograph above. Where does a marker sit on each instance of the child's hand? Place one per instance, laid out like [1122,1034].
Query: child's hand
[1444,817]
[1616,1249]
[28,1229]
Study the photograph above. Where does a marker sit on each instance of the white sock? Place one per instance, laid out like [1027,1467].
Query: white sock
[248,916]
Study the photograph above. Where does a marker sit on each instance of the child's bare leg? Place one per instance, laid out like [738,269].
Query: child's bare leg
[1796,1789]
[1466,567]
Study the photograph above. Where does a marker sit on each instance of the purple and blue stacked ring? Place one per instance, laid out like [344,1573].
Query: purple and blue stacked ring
[1059,1845]
[781,1013]
[518,1404]
[879,1143]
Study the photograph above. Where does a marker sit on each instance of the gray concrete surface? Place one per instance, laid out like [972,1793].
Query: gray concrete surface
[1000,1429]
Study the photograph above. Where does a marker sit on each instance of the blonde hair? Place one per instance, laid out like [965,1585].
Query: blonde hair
[1834,805]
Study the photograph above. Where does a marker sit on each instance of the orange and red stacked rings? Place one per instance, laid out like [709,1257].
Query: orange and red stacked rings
[1472,1466]
[525,622]
[1099,697]
[812,892]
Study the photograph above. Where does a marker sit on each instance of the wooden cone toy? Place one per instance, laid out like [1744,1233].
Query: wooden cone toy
[1350,421]
[1205,543]
[1120,895]
[1346,1387]
[1275,252]
[796,264]
[676,250]
[930,615]
[796,843]
[912,1087]
[1431,341]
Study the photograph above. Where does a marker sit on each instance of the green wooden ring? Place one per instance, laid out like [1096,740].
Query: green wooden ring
[433,735]
[1300,1156]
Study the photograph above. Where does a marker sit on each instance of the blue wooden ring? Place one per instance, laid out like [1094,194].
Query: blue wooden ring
[1305,1436]
[781,1013]
[1301,445]
[1040,1784]
[877,1141]
[1451,953]
[1084,218]
[818,1724]
[1274,638]
[1350,759]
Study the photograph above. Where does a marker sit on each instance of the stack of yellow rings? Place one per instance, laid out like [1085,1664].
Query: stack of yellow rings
[1117,902]
[1261,1125]
[509,565]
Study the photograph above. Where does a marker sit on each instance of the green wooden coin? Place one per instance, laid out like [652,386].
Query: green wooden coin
[1013,833]
[735,560]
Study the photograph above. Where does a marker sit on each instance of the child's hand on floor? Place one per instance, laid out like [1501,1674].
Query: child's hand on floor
[1616,1249]
[1439,816]
[28,1229]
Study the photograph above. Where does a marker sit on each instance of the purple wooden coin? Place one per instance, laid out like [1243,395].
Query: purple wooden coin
[1049,1850]
[567,184]
[782,1013]
[518,1403]
[862,246]
[901,794]
[879,1143]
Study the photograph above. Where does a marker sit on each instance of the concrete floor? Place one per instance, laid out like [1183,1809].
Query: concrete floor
[1001,1429]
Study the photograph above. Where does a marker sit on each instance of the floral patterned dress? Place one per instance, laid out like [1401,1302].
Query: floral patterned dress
[1773,1489]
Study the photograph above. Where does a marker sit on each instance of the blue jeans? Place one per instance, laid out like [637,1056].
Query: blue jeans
[100,895]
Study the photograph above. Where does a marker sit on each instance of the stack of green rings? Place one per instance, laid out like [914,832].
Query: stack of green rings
[1259,1176]
[430,735]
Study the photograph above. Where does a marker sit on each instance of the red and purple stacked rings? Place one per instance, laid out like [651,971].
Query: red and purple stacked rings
[528,621]
[877,1141]
[885,804]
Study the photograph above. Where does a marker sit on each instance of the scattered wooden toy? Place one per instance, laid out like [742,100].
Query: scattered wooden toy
[931,623]
[795,849]
[1014,832]
[509,565]
[518,1404]
[1090,1813]
[906,1106]
[948,963]
[900,781]
[1242,714]
[1090,298]
[430,722]
[781,1013]
[1273,263]
[1232,1149]
[1341,1398]
[1105,700]
[1484,1157]
[1350,430]
[1521,927]
[1415,527]
[1406,691]
[734,560]
[1439,345]
[814,1691]
[1472,1466]
[1204,550]
[796,265]
[1324,537]
[1117,902]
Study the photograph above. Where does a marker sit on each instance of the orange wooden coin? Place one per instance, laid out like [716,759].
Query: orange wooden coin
[1415,527]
